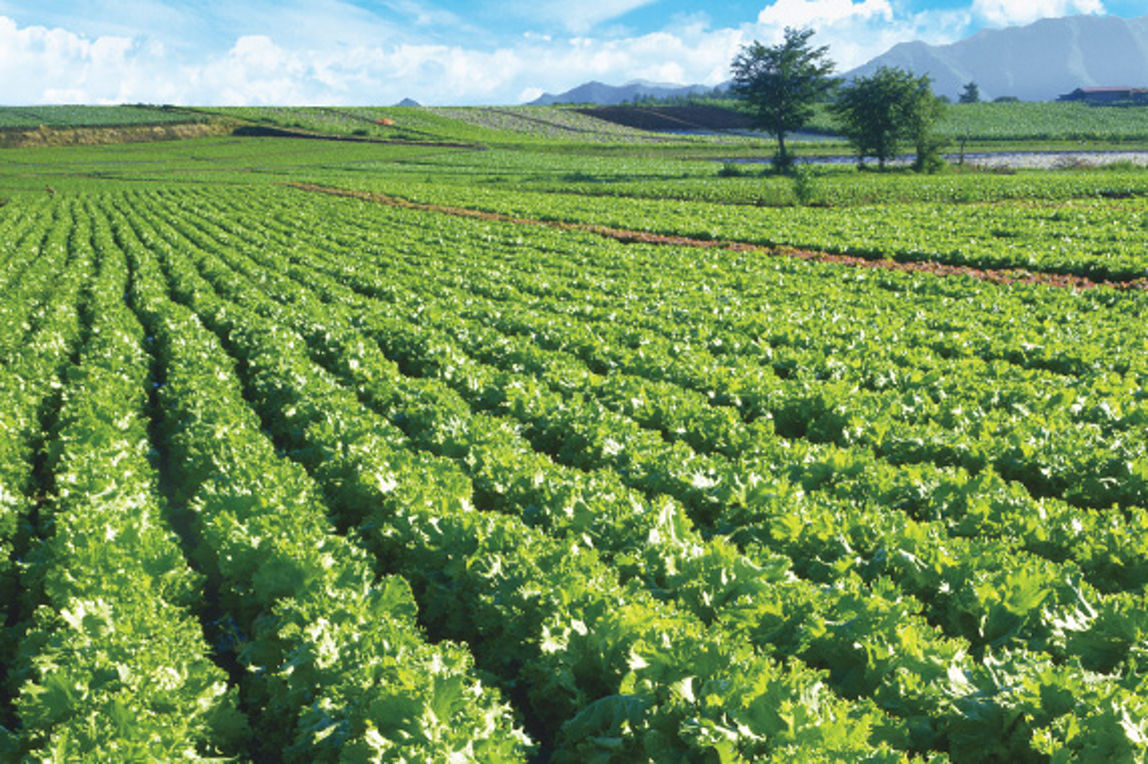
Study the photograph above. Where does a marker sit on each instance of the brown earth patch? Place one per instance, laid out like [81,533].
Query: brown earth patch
[265,131]
[671,118]
[98,136]
[996,276]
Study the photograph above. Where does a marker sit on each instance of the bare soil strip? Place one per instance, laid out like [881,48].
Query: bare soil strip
[105,135]
[997,276]
[266,131]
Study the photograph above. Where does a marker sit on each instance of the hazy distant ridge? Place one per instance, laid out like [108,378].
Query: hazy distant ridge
[1037,62]
[611,95]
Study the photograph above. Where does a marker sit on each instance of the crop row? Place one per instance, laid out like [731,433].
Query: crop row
[598,662]
[86,116]
[1029,121]
[111,662]
[655,544]
[1095,238]
[679,414]
[546,123]
[42,318]
[107,656]
[379,483]
[334,661]
[1008,505]
[1074,436]
[1071,333]
[751,183]
[1059,437]
[1028,595]
[40,332]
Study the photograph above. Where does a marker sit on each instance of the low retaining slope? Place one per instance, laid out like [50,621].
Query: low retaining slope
[96,136]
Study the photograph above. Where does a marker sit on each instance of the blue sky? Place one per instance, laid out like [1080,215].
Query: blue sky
[441,51]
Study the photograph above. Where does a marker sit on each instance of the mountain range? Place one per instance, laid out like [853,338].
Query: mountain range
[611,95]
[1036,62]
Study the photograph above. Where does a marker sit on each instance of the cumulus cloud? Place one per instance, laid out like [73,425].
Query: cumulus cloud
[856,31]
[816,13]
[55,65]
[311,24]
[1013,12]
[575,17]
[39,64]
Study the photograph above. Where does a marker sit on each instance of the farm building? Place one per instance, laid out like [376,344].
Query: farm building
[1107,95]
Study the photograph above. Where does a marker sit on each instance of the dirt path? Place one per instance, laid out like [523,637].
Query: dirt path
[1008,160]
[997,276]
[104,135]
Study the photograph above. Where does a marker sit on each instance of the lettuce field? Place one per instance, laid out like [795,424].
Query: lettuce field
[291,476]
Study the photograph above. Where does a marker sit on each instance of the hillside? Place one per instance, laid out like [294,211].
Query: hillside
[672,118]
[1037,62]
[611,95]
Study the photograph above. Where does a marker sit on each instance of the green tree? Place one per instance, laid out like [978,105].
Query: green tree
[779,85]
[880,111]
[971,93]
[924,111]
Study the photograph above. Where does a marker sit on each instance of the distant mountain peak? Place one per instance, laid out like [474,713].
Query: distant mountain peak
[652,84]
[601,94]
[1036,62]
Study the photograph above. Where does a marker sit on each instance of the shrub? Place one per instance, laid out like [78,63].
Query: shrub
[732,170]
[805,186]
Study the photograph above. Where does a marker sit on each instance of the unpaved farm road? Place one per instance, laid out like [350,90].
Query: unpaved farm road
[1051,160]
[1017,160]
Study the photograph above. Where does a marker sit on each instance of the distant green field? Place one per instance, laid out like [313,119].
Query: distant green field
[491,125]
[1045,121]
[87,116]
[986,123]
[547,125]
[684,172]
[1031,122]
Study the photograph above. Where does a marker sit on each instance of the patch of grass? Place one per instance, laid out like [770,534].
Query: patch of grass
[732,170]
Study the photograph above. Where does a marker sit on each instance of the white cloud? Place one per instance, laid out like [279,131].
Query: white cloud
[815,13]
[577,17]
[65,95]
[421,13]
[258,53]
[303,24]
[857,31]
[109,17]
[40,65]
[1013,12]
